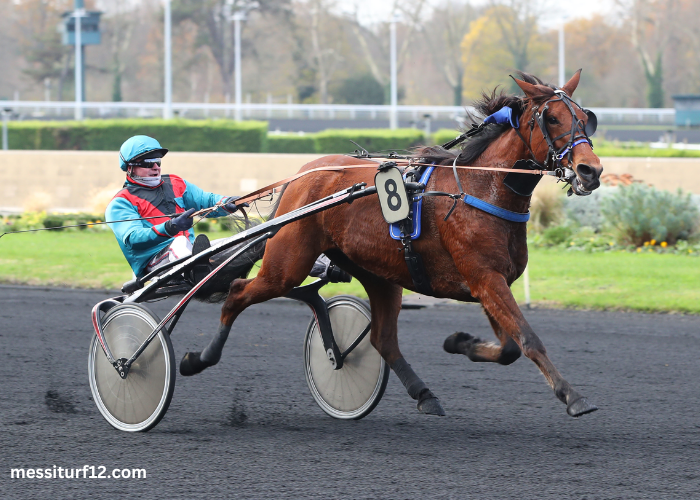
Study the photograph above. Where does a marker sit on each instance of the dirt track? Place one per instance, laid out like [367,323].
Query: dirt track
[248,428]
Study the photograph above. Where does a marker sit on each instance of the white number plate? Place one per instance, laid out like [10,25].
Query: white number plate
[392,195]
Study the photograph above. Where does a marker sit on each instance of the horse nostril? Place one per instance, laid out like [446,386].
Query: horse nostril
[586,172]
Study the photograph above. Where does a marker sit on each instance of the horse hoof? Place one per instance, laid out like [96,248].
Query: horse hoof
[452,342]
[580,407]
[431,406]
[191,364]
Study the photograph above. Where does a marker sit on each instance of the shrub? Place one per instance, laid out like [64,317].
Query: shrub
[585,210]
[203,226]
[640,213]
[291,143]
[373,140]
[556,235]
[53,221]
[546,206]
[108,135]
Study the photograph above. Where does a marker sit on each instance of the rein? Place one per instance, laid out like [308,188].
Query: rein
[87,224]
[269,189]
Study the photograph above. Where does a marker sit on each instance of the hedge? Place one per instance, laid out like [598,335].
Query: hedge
[373,140]
[108,135]
[291,143]
[445,135]
[602,147]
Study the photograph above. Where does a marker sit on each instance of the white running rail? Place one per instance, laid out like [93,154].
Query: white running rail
[264,111]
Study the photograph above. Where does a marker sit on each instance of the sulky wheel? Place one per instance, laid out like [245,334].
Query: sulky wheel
[353,391]
[138,402]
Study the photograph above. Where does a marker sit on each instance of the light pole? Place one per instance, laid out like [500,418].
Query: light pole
[562,76]
[237,18]
[393,118]
[228,6]
[78,14]
[168,94]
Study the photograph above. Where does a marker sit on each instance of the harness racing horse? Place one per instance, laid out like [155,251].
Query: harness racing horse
[472,256]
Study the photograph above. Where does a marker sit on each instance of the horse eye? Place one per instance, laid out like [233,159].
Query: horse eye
[552,120]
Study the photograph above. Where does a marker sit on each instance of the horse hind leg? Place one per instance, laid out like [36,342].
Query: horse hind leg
[281,271]
[385,301]
[478,350]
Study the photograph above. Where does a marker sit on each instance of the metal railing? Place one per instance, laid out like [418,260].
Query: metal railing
[62,110]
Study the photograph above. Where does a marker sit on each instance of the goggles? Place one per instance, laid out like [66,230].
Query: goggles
[148,163]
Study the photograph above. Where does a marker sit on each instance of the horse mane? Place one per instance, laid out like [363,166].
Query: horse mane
[488,104]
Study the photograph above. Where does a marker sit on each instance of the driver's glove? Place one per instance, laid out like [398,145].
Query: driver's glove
[230,206]
[180,223]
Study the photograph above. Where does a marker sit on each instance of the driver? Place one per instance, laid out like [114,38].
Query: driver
[152,243]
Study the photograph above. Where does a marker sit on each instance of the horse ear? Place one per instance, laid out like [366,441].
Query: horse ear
[530,89]
[571,85]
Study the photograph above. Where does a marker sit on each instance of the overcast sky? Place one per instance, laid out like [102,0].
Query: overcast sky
[372,11]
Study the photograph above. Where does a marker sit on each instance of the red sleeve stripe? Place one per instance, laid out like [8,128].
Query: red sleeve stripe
[159,233]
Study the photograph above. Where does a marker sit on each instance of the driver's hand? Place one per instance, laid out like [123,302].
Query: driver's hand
[180,223]
[231,207]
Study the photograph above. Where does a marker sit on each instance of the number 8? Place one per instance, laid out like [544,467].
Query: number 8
[392,190]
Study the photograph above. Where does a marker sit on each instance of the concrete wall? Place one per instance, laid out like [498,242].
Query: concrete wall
[81,180]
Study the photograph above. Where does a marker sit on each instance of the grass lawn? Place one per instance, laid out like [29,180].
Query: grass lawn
[606,280]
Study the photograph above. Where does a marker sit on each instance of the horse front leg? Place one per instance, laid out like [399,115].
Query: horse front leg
[385,302]
[494,294]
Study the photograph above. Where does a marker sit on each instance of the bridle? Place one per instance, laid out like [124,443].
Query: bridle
[579,134]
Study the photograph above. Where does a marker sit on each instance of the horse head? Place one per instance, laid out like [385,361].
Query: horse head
[559,132]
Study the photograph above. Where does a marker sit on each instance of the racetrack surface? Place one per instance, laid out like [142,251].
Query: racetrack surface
[248,428]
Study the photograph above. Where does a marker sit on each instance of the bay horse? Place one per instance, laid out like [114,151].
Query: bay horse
[473,256]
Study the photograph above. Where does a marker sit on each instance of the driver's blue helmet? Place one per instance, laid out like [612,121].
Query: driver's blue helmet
[139,147]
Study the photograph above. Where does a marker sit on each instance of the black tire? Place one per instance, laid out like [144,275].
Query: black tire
[353,391]
[138,402]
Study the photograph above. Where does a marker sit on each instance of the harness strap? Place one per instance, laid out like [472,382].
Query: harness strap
[497,211]
[454,169]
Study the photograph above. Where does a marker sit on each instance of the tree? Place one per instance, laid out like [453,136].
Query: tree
[518,26]
[375,43]
[40,44]
[443,33]
[213,19]
[119,27]
[324,43]
[651,29]
[362,89]
[489,55]
[611,75]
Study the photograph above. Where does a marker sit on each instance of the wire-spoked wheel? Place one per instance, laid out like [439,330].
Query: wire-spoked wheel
[353,391]
[138,402]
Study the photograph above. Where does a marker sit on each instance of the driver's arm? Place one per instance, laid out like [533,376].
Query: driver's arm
[134,234]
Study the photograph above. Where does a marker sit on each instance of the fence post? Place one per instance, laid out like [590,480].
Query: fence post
[526,282]
[5,115]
